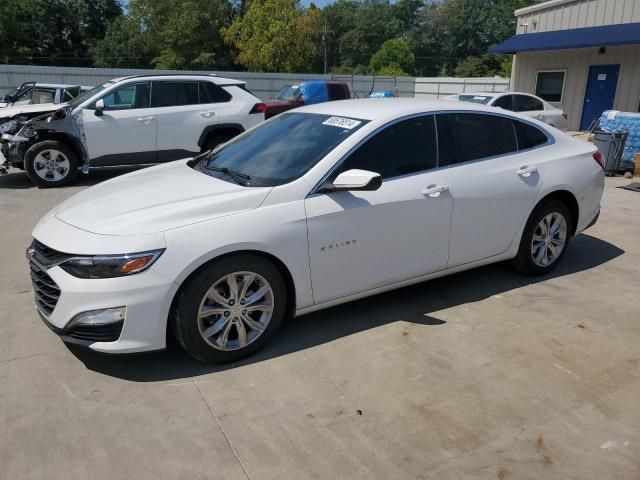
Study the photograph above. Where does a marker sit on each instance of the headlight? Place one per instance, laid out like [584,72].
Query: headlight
[110,266]
[9,127]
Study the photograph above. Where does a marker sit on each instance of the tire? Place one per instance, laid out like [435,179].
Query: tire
[539,258]
[204,339]
[51,164]
[215,139]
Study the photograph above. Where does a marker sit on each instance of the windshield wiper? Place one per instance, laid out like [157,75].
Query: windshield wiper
[238,177]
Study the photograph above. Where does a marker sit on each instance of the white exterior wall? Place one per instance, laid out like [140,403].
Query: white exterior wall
[576,62]
[566,14]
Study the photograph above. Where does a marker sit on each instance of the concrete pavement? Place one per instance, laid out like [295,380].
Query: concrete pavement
[481,375]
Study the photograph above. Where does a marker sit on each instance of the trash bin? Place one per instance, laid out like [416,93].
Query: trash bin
[611,145]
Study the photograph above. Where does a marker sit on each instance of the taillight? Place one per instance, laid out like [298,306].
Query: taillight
[565,116]
[258,108]
[598,157]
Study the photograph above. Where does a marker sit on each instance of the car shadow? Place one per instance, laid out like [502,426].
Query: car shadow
[410,304]
[18,180]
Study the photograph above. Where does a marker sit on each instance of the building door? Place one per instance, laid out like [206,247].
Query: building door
[601,90]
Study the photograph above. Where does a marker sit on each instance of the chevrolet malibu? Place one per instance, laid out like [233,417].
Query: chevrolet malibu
[313,208]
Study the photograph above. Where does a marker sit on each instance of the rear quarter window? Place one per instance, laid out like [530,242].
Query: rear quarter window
[212,93]
[529,136]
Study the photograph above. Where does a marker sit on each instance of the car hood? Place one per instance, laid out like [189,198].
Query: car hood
[157,199]
[10,112]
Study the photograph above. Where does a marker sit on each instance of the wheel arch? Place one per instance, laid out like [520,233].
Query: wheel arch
[279,264]
[219,128]
[569,199]
[65,138]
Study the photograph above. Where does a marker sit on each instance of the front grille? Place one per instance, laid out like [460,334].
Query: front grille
[46,290]
[46,255]
[97,333]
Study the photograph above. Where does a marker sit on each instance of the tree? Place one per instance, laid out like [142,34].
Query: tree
[394,58]
[53,32]
[168,34]
[275,36]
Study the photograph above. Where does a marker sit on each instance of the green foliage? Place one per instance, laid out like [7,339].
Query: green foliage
[393,56]
[53,32]
[275,36]
[168,34]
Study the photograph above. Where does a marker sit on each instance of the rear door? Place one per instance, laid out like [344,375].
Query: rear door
[125,134]
[186,108]
[493,184]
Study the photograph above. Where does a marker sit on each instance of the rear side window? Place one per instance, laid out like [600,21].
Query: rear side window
[172,94]
[505,102]
[405,147]
[463,137]
[529,136]
[212,93]
[525,103]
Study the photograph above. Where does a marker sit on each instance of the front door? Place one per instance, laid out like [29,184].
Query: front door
[361,240]
[125,134]
[600,93]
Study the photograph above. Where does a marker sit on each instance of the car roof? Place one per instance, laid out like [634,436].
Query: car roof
[387,108]
[183,76]
[56,85]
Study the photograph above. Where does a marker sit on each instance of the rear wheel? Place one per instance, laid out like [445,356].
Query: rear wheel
[51,164]
[545,238]
[230,309]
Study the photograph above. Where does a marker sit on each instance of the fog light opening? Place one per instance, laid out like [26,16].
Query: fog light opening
[104,316]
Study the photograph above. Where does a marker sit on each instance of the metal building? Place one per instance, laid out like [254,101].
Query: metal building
[580,55]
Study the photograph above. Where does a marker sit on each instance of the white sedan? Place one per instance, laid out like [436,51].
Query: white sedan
[523,103]
[313,208]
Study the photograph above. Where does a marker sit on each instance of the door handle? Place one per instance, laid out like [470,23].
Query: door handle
[207,114]
[434,191]
[145,119]
[526,171]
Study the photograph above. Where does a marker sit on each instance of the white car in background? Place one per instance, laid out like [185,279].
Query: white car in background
[315,207]
[523,103]
[137,120]
[37,93]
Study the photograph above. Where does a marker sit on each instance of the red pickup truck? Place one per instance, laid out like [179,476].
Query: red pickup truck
[306,93]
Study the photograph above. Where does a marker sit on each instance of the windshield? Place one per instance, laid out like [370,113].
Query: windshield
[282,149]
[484,99]
[289,93]
[84,96]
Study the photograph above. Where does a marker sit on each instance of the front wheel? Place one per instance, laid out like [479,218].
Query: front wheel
[51,164]
[230,309]
[545,238]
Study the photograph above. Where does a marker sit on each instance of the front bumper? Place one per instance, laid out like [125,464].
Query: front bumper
[13,152]
[146,296]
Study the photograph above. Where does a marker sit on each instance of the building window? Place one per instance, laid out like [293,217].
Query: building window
[550,85]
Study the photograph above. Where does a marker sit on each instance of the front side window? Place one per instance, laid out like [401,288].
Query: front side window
[135,95]
[40,96]
[87,94]
[549,86]
[280,150]
[526,103]
[463,137]
[405,147]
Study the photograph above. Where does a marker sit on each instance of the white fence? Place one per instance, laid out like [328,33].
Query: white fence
[263,85]
[438,87]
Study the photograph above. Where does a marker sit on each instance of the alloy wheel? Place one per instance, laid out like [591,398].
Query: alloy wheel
[549,239]
[51,165]
[235,310]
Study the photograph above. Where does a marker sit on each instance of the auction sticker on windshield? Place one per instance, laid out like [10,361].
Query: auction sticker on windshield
[342,122]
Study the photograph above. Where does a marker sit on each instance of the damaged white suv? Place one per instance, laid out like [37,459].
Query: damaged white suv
[130,121]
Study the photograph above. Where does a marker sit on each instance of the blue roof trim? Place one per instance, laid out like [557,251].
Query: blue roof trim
[620,34]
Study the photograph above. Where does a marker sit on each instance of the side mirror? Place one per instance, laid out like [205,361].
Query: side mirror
[100,108]
[354,180]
